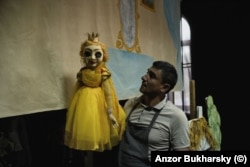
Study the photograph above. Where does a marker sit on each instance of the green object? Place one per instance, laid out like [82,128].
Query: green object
[214,121]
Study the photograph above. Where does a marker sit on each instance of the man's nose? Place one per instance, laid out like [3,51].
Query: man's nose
[144,77]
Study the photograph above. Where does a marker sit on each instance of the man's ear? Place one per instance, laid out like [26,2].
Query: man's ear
[165,88]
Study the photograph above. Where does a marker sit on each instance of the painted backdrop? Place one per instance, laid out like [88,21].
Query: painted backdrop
[40,41]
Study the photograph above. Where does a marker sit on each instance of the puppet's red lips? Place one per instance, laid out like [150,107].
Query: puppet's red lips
[93,62]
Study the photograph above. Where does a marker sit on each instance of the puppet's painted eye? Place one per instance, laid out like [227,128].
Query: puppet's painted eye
[98,54]
[87,54]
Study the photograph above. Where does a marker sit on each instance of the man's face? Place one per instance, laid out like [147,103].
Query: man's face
[93,55]
[152,82]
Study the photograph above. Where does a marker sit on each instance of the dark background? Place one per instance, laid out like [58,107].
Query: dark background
[220,50]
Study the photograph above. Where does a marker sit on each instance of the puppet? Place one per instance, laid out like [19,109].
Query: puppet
[201,137]
[214,121]
[95,121]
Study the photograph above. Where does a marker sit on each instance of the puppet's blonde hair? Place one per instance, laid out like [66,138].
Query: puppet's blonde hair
[94,40]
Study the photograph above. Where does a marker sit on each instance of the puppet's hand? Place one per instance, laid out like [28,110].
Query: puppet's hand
[79,75]
[113,120]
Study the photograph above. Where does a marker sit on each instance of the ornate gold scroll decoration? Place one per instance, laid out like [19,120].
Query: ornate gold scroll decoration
[128,34]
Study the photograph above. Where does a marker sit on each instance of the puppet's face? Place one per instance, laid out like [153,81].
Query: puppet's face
[93,56]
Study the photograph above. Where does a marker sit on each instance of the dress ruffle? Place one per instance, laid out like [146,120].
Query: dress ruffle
[87,124]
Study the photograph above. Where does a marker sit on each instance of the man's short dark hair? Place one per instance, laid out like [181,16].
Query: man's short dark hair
[169,73]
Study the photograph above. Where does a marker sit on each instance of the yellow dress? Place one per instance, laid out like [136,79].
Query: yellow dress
[87,124]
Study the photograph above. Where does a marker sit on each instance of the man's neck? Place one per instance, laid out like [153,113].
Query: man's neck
[151,100]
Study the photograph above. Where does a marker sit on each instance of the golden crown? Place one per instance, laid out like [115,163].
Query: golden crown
[93,37]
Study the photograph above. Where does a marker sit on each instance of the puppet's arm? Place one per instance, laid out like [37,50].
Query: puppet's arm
[79,76]
[108,97]
[78,83]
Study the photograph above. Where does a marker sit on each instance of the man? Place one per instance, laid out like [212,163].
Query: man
[153,122]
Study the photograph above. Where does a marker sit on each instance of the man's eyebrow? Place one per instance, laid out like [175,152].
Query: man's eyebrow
[151,73]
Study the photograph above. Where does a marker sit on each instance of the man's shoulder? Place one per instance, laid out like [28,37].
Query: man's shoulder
[130,103]
[134,99]
[171,107]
